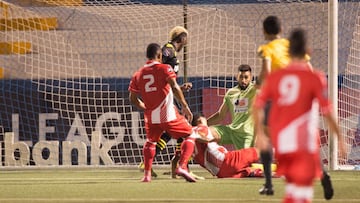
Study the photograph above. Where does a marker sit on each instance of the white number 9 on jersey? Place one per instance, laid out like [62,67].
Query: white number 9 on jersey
[289,87]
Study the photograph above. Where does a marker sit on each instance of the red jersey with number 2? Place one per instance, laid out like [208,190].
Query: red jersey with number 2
[151,82]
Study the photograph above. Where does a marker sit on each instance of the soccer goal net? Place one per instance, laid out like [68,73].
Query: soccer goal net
[66,65]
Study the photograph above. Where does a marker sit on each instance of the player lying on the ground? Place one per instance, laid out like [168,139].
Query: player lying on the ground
[218,160]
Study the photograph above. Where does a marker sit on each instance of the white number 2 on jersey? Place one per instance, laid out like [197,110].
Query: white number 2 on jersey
[148,84]
[289,87]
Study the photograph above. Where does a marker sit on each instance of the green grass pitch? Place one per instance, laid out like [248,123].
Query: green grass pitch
[119,184]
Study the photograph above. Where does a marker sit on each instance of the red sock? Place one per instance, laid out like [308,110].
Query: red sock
[187,149]
[149,154]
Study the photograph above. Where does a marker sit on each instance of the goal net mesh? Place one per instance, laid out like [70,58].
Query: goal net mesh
[66,66]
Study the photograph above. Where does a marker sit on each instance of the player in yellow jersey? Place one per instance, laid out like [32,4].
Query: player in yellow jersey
[275,55]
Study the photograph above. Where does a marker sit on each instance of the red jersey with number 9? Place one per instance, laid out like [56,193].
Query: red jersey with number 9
[295,93]
[151,83]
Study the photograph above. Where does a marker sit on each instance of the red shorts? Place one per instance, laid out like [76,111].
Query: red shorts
[177,128]
[301,168]
[236,163]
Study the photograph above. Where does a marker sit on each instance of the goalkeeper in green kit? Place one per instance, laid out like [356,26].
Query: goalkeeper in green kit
[238,102]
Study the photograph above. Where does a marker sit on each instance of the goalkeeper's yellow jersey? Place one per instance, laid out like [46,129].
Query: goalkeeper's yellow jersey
[277,51]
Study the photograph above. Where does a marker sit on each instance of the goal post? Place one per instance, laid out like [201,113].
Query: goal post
[185,58]
[66,67]
[333,76]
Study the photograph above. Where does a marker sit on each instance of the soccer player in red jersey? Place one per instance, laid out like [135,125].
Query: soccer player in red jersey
[152,89]
[296,94]
[218,160]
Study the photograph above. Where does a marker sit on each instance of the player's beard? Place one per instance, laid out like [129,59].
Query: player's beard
[243,86]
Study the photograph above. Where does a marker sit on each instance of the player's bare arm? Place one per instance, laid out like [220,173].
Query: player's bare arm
[134,99]
[180,97]
[215,135]
[330,119]
[219,116]
[265,70]
[261,139]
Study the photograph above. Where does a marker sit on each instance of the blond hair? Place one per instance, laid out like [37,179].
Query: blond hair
[176,31]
